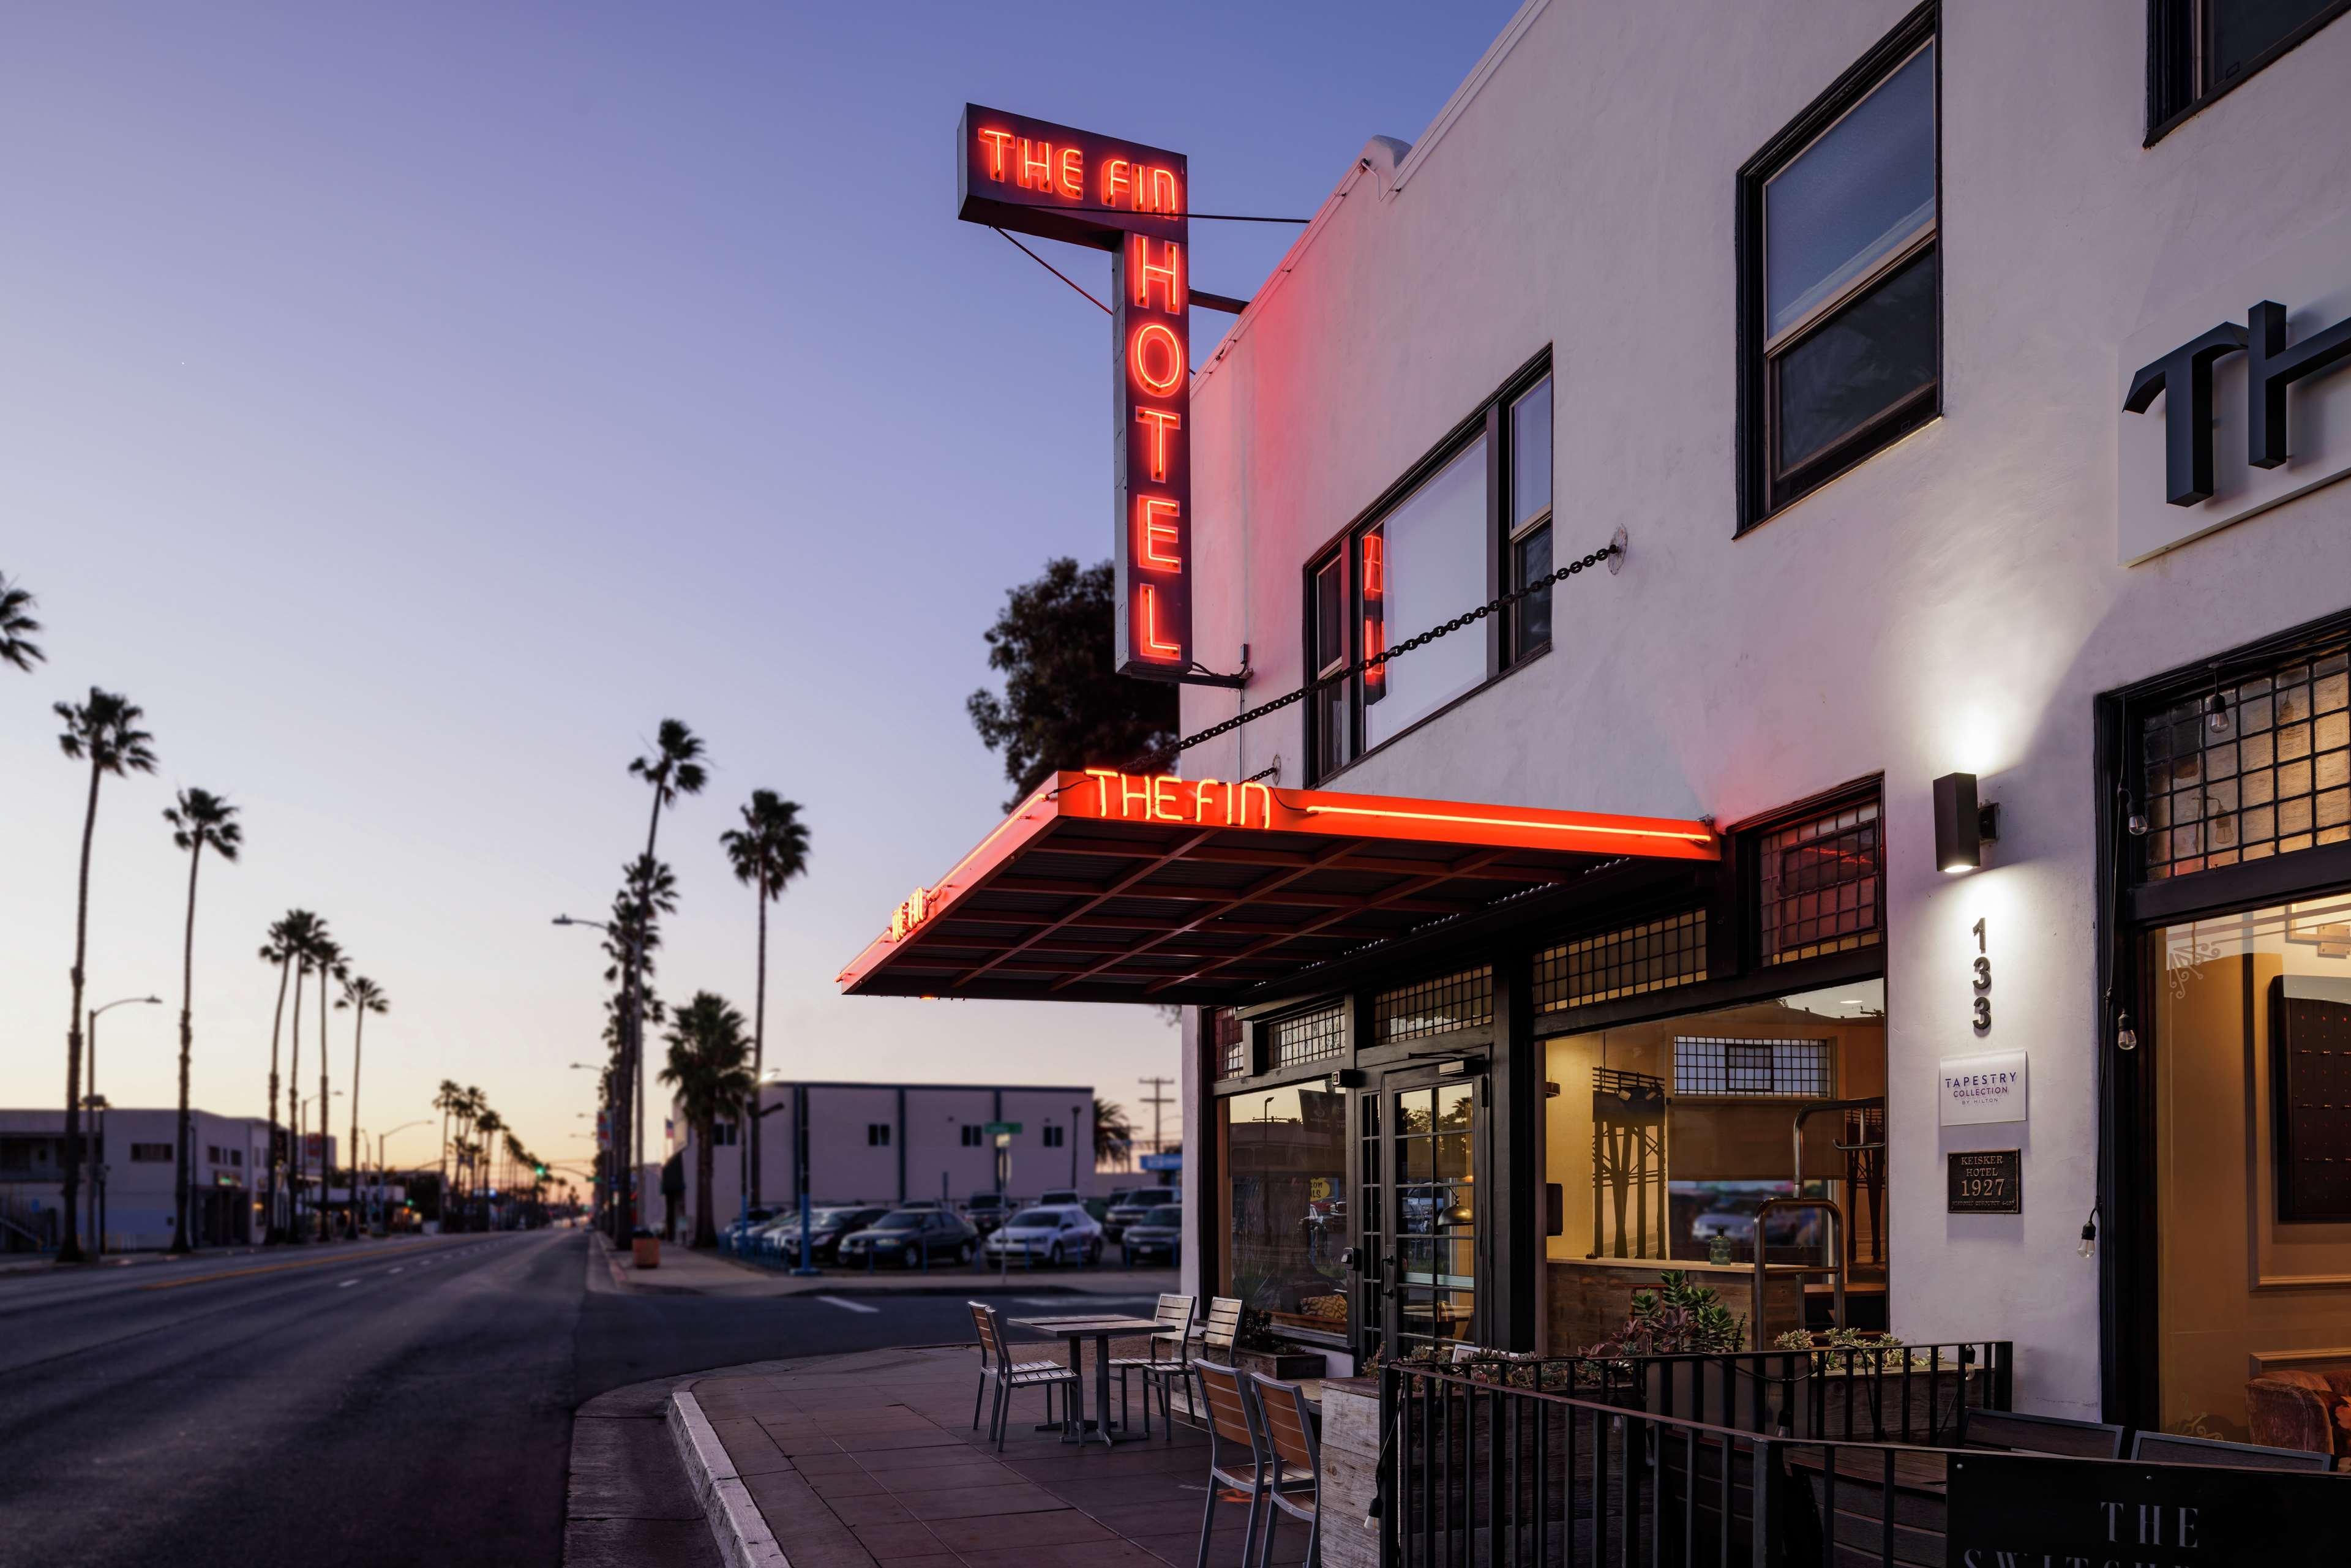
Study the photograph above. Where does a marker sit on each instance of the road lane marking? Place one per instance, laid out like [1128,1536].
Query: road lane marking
[390,1271]
[244,1273]
[846,1305]
[347,1285]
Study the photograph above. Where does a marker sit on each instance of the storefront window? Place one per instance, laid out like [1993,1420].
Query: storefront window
[1665,1139]
[2253,1069]
[1285,1151]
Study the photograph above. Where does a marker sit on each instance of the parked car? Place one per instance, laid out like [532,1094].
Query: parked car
[907,1237]
[1158,1234]
[1055,1196]
[826,1227]
[731,1234]
[1139,1202]
[1063,1233]
[984,1210]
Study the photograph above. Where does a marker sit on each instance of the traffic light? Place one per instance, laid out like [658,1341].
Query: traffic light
[538,1170]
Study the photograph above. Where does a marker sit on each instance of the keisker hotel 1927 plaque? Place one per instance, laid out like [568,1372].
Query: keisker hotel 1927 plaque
[1986,1181]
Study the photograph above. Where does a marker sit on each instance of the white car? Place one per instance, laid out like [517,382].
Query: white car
[1048,1234]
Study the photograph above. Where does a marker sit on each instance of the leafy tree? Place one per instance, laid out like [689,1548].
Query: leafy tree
[199,818]
[709,1067]
[363,997]
[105,733]
[1064,705]
[18,625]
[767,850]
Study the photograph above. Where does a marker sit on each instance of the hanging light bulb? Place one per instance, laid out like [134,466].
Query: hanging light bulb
[2089,1248]
[2216,713]
[2125,1036]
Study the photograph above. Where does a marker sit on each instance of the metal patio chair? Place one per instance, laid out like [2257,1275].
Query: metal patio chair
[1232,1420]
[998,1367]
[2007,1430]
[1161,1371]
[1218,1330]
[1294,1460]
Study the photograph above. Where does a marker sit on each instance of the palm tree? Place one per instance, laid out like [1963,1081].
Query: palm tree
[105,733]
[447,1101]
[327,957]
[709,1066]
[1114,1135]
[767,850]
[201,818]
[364,997]
[286,938]
[487,1126]
[673,768]
[16,624]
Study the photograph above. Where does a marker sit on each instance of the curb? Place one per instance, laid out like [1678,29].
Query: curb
[742,1535]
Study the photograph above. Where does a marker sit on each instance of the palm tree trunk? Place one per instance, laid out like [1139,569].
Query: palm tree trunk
[70,1243]
[443,1204]
[181,1240]
[706,1234]
[269,1176]
[294,1113]
[758,1045]
[358,1033]
[325,1111]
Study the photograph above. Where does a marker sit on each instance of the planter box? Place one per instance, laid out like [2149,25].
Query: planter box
[1287,1365]
[645,1251]
[1900,1407]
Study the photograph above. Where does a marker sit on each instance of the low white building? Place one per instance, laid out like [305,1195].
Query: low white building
[130,1161]
[887,1143]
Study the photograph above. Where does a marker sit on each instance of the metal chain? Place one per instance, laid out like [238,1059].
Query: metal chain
[1468,617]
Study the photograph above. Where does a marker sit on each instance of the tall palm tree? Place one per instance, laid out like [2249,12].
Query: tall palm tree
[199,818]
[105,733]
[673,768]
[709,1066]
[767,850]
[327,958]
[477,1106]
[1114,1135]
[487,1126]
[286,938]
[447,1101]
[363,997]
[18,625]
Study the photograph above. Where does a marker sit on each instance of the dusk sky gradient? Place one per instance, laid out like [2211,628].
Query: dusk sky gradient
[410,406]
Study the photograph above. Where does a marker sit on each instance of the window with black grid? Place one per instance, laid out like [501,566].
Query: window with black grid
[1766,1069]
[1818,882]
[1310,1036]
[1655,956]
[1463,1001]
[2255,768]
[1231,1043]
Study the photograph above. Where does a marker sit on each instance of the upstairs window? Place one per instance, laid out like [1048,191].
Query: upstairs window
[974,1136]
[1842,350]
[1054,1135]
[1470,523]
[877,1134]
[2200,49]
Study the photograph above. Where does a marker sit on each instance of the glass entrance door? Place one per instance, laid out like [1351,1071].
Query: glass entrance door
[1426,1138]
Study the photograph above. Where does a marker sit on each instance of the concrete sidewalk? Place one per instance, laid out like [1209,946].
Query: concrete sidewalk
[683,1271]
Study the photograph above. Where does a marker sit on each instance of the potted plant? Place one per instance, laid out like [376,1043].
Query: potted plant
[1869,1386]
[1257,1348]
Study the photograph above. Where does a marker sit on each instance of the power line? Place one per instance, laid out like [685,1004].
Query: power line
[1155,1099]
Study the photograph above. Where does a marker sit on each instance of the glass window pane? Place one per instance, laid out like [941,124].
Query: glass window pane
[1330,617]
[1432,568]
[2242,30]
[1287,1151]
[1854,195]
[1530,454]
[1857,365]
[1534,609]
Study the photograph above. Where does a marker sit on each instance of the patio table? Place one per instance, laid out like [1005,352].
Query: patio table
[1101,1330]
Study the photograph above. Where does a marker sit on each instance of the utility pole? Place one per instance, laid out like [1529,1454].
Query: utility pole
[1155,1099]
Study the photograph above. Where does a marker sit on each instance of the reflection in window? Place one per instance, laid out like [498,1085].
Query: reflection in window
[1437,1213]
[1286,1153]
[1432,553]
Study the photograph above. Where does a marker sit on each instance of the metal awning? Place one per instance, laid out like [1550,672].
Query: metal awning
[1106,886]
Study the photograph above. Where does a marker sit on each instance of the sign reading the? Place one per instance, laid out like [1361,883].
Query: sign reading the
[1978,1089]
[2009,1511]
[1986,1181]
[1040,178]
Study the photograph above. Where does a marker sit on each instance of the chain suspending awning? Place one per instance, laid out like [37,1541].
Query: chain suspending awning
[1106,886]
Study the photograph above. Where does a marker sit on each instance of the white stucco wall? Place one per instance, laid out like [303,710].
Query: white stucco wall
[1954,603]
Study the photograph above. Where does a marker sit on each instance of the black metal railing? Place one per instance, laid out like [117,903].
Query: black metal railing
[1755,1458]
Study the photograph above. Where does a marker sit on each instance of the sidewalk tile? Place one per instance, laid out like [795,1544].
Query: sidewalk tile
[968,1502]
[937,1477]
[907,1540]
[1057,1528]
[874,1508]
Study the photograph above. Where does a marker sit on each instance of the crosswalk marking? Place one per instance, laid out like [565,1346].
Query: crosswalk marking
[846,1305]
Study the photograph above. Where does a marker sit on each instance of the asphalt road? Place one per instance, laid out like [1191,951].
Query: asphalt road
[385,1402]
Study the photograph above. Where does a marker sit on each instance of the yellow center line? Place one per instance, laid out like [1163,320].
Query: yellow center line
[282,1267]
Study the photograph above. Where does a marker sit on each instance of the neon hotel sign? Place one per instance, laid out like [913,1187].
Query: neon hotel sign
[1037,178]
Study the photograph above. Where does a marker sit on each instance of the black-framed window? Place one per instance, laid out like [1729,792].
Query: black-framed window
[1471,522]
[877,1134]
[2199,50]
[1840,280]
[972,1137]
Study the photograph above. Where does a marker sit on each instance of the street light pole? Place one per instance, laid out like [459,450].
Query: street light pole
[381,1179]
[97,1177]
[627,1201]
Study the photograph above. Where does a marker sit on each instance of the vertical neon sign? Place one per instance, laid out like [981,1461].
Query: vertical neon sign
[1038,178]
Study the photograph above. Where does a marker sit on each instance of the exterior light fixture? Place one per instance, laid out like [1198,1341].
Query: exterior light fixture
[1962,825]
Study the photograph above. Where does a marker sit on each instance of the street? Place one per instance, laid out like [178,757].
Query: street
[387,1402]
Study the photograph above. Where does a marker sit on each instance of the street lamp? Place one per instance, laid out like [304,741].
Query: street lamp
[630,1130]
[97,1101]
[381,1138]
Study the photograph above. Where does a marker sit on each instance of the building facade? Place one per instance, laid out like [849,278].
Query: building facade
[1956,381]
[889,1143]
[129,1164]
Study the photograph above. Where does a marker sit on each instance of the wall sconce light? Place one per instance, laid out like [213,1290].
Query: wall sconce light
[1962,825]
